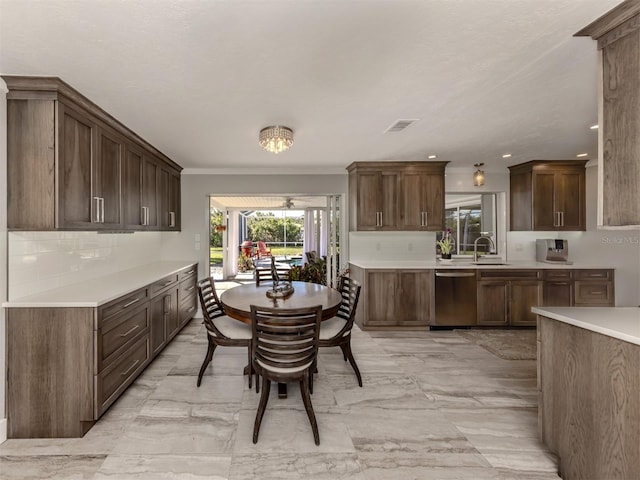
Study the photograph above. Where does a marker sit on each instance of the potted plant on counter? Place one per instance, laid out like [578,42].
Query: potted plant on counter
[446,244]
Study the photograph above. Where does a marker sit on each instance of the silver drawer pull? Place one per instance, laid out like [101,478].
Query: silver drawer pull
[455,274]
[168,283]
[191,309]
[190,289]
[132,329]
[131,303]
[596,292]
[130,369]
[190,272]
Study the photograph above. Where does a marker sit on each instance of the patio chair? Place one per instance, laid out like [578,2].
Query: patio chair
[263,251]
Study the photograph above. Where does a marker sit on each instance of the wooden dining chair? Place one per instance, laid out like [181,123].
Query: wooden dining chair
[265,275]
[221,329]
[285,349]
[336,331]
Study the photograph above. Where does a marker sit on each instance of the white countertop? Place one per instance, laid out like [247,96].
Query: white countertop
[98,291]
[622,323]
[431,264]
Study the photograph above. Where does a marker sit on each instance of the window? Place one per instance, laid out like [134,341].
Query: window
[470,216]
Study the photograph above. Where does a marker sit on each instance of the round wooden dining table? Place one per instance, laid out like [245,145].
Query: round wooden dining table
[237,301]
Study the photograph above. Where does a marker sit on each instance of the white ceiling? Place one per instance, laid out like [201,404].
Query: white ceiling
[199,79]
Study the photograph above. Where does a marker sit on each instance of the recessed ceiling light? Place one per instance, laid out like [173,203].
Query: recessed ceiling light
[506,155]
[432,157]
[593,127]
[582,155]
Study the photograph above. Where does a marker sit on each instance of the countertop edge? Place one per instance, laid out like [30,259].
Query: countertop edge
[562,314]
[144,275]
[432,265]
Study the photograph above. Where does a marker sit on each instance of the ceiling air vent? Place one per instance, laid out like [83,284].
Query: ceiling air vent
[400,125]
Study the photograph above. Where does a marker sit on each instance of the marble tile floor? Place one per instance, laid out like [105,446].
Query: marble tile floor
[433,406]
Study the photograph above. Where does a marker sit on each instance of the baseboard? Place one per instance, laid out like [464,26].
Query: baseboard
[3,430]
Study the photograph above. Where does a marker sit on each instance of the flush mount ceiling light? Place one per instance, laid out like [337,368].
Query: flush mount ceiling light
[276,139]
[478,175]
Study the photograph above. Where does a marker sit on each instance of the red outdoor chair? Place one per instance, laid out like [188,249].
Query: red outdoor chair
[263,251]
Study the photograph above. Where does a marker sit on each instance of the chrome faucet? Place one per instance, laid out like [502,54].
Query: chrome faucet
[492,246]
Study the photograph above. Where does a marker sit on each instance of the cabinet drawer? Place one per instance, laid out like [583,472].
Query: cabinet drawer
[114,379]
[593,274]
[188,309]
[190,272]
[187,290]
[507,274]
[593,293]
[557,275]
[163,283]
[123,304]
[120,331]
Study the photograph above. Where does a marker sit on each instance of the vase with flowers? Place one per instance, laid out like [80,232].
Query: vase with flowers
[446,244]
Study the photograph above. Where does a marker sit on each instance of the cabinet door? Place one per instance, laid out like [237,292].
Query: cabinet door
[169,199]
[523,296]
[172,320]
[150,174]
[158,327]
[557,294]
[380,297]
[544,213]
[368,203]
[389,214]
[569,194]
[106,178]
[132,188]
[433,201]
[412,298]
[77,139]
[493,300]
[412,204]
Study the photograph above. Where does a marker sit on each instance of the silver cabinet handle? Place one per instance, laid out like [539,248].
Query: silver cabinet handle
[172,219]
[455,274]
[189,272]
[130,369]
[132,329]
[97,199]
[168,283]
[380,218]
[131,303]
[102,207]
[426,219]
[145,215]
[190,289]
[142,219]
[561,219]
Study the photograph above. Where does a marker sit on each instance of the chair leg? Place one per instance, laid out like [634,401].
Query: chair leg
[311,381]
[264,398]
[207,360]
[352,361]
[306,398]
[250,367]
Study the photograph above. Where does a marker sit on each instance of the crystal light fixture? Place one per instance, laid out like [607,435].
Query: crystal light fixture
[478,175]
[276,139]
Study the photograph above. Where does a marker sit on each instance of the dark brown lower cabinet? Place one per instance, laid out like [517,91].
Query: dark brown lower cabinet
[66,365]
[393,298]
[505,297]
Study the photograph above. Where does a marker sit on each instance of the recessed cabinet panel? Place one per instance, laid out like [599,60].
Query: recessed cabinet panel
[368,200]
[107,179]
[132,188]
[77,150]
[493,306]
[523,296]
[543,198]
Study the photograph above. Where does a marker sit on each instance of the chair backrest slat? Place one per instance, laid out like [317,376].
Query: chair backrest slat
[210,303]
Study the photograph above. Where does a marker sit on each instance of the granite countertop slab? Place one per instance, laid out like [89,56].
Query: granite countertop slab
[622,323]
[101,290]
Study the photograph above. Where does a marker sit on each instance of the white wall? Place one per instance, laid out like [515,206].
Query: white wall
[192,242]
[3,255]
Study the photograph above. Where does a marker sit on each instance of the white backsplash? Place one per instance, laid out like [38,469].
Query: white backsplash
[40,261]
[392,246]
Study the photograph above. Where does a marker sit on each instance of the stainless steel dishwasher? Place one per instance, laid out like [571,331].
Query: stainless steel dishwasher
[455,298]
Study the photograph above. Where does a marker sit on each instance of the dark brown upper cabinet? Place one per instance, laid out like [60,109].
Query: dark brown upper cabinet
[72,166]
[618,36]
[548,195]
[396,196]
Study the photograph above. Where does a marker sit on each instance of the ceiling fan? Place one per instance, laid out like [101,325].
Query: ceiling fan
[288,203]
